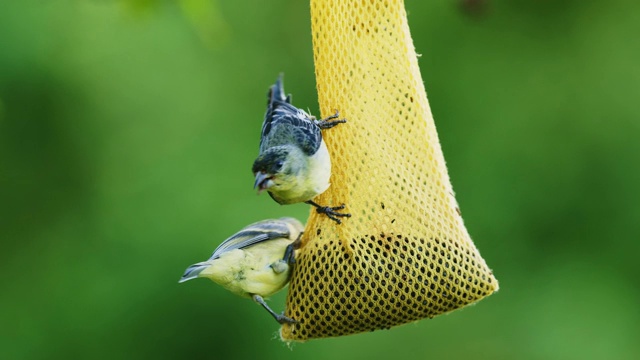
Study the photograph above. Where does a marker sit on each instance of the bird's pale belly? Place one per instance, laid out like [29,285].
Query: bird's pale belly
[292,196]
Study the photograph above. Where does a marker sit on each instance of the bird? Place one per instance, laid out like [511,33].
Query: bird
[255,262]
[293,164]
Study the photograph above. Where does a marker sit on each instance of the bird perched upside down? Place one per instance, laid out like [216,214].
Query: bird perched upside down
[255,262]
[294,164]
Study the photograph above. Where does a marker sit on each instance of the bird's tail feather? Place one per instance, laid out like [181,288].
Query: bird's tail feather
[193,271]
[276,92]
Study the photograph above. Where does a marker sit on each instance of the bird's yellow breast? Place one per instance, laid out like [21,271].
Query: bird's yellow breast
[249,271]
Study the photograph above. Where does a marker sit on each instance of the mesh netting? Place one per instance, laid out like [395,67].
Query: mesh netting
[405,253]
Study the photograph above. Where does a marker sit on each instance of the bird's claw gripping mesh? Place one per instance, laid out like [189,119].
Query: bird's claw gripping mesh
[405,253]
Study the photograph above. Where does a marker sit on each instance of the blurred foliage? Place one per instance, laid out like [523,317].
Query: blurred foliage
[127,130]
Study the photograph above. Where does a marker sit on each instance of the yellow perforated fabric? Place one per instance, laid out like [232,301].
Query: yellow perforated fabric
[405,253]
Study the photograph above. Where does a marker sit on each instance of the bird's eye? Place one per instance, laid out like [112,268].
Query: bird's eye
[279,163]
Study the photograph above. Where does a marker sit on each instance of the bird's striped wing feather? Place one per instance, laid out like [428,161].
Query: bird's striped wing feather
[286,124]
[251,235]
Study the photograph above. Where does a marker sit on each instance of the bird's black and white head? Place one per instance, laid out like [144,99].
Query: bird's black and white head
[275,169]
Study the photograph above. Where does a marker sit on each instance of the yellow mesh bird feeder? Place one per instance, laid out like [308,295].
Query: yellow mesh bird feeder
[405,253]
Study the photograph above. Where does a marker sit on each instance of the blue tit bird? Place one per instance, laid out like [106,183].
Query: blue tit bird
[254,262]
[294,164]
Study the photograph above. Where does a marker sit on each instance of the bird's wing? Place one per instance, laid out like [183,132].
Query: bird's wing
[286,124]
[275,97]
[251,235]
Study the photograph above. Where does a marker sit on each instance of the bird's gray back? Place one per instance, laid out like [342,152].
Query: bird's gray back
[285,125]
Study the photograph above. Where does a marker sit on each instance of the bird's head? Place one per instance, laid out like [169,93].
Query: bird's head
[273,169]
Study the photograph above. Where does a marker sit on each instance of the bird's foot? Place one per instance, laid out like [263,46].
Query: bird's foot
[330,211]
[289,252]
[285,320]
[329,122]
[280,318]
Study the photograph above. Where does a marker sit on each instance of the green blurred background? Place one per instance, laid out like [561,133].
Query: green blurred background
[128,128]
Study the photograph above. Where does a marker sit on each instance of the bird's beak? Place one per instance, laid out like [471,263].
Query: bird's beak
[261,181]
